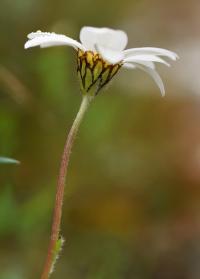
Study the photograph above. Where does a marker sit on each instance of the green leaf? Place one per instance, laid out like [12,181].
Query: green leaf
[4,160]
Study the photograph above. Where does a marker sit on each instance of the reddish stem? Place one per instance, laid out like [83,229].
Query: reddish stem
[60,188]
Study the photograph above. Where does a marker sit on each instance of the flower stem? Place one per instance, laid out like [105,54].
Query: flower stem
[55,232]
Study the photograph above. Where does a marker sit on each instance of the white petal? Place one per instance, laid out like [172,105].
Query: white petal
[151,51]
[45,39]
[151,58]
[110,55]
[155,77]
[129,66]
[147,64]
[144,63]
[109,38]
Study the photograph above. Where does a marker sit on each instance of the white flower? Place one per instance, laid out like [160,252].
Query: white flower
[101,54]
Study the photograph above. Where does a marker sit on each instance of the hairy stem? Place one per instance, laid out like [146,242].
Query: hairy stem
[55,232]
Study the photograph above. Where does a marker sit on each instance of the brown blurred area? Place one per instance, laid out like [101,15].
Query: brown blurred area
[132,202]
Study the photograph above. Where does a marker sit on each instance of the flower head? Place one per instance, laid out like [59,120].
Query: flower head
[102,53]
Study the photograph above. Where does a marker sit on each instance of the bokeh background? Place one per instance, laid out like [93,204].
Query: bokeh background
[132,202]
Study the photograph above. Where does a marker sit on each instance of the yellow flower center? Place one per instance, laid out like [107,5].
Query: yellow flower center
[93,72]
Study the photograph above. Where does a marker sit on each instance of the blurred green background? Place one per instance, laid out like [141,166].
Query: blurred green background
[132,202]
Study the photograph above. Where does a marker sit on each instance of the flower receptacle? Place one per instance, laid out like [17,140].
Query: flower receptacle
[94,72]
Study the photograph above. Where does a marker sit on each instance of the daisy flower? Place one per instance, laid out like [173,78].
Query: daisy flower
[101,54]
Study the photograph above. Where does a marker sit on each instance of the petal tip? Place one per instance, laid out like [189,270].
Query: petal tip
[177,57]
[26,46]
[163,93]
[174,56]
